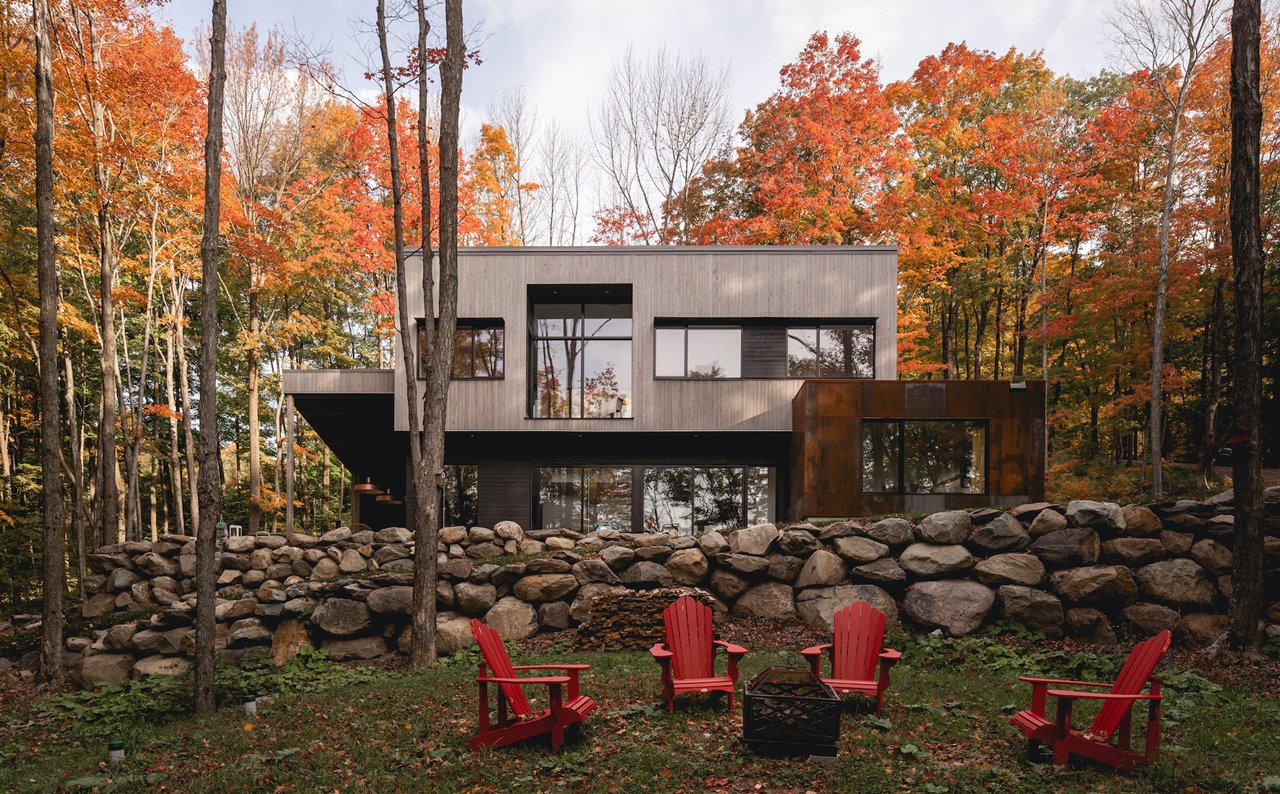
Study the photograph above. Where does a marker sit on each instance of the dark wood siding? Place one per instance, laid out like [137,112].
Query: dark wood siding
[506,493]
[764,351]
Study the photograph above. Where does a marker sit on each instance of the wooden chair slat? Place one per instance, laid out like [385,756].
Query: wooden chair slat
[495,655]
[1133,677]
[690,635]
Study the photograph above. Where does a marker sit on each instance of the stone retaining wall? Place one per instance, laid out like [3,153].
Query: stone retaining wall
[1083,570]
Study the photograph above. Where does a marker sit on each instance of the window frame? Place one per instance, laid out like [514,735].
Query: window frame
[901,423]
[818,328]
[685,328]
[534,338]
[473,324]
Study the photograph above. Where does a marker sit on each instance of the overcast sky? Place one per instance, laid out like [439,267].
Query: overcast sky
[561,50]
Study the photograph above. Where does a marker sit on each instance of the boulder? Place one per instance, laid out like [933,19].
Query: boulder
[548,565]
[1132,551]
[1179,581]
[687,566]
[99,605]
[745,564]
[798,542]
[926,559]
[152,564]
[239,544]
[726,584]
[325,569]
[594,570]
[891,532]
[1096,584]
[249,631]
[784,567]
[817,606]
[508,530]
[121,579]
[119,637]
[643,575]
[822,569]
[958,607]
[951,526]
[1212,556]
[234,610]
[1068,548]
[260,559]
[559,544]
[452,635]
[485,551]
[160,665]
[481,535]
[547,586]
[1089,625]
[104,668]
[773,600]
[1105,517]
[712,543]
[475,599]
[1003,533]
[342,617]
[859,550]
[530,547]
[1175,542]
[753,540]
[288,638]
[513,619]
[841,529]
[355,648]
[1200,629]
[555,615]
[580,609]
[1035,609]
[1012,568]
[396,602]
[1139,521]
[392,535]
[1151,618]
[336,535]
[1046,521]
[164,642]
[885,570]
[352,562]
[451,535]
[653,553]
[618,558]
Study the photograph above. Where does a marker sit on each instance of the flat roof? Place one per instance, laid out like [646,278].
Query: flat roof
[670,249]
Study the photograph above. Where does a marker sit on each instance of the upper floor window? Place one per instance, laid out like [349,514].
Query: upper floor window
[698,352]
[831,351]
[918,456]
[478,349]
[580,353]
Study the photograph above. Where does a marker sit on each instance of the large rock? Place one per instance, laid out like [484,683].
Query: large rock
[119,637]
[452,535]
[475,599]
[769,600]
[234,610]
[859,550]
[594,570]
[289,637]
[1090,625]
[239,544]
[152,564]
[1176,543]
[1179,581]
[396,602]
[618,558]
[1105,517]
[1035,609]
[104,668]
[1200,629]
[951,526]
[1151,618]
[342,617]
[1096,584]
[1212,556]
[99,605]
[546,586]
[508,530]
[121,579]
[712,543]
[798,542]
[745,564]
[1132,551]
[1068,548]
[325,569]
[891,532]
[646,575]
[727,584]
[160,665]
[513,619]
[249,631]
[1004,533]
[260,559]
[355,648]
[817,606]
[927,559]
[955,606]
[164,642]
[452,635]
[822,569]
[1046,521]
[1013,568]
[688,566]
[336,535]
[555,615]
[753,540]
[1139,521]
[352,562]
[784,567]
[885,570]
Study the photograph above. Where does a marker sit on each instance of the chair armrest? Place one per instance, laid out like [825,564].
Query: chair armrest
[552,667]
[1060,681]
[890,656]
[729,647]
[1062,693]
[555,679]
[816,650]
[660,652]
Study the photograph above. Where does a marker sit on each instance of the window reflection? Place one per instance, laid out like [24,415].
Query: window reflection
[668,500]
[831,351]
[880,457]
[924,456]
[698,352]
[559,498]
[477,349]
[461,496]
[584,498]
[581,356]
[608,499]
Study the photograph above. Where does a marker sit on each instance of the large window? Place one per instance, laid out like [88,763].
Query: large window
[477,349]
[584,499]
[581,354]
[461,496]
[691,501]
[700,352]
[924,456]
[831,351]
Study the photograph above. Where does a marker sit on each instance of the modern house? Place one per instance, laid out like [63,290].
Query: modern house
[681,389]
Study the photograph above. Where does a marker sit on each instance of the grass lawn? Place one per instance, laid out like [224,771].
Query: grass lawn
[341,729]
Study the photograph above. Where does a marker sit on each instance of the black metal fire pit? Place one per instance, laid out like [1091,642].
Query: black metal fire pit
[790,712]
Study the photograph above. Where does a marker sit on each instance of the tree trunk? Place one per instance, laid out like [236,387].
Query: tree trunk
[210,474]
[79,504]
[175,462]
[253,363]
[54,567]
[1155,430]
[1245,607]
[188,436]
[1214,355]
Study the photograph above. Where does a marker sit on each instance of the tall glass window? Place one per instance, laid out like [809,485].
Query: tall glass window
[924,456]
[461,490]
[831,351]
[584,498]
[691,501]
[668,500]
[581,354]
[697,352]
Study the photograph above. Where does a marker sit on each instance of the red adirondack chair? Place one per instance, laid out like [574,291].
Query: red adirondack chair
[1114,718]
[564,711]
[856,652]
[688,656]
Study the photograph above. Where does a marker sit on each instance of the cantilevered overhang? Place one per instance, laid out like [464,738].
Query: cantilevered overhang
[353,412]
